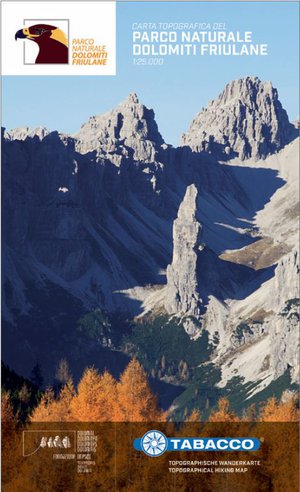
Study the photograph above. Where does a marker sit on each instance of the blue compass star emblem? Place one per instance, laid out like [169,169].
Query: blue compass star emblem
[154,443]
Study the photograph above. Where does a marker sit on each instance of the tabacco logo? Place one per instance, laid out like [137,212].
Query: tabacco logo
[52,42]
[154,443]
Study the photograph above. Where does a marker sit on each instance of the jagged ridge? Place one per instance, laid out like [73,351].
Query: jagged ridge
[92,214]
[246,120]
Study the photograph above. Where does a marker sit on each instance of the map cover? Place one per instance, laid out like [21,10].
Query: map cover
[150,246]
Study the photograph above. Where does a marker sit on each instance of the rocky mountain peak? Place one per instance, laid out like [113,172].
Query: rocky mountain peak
[246,120]
[82,233]
[182,293]
[131,125]
[246,90]
[188,207]
[133,98]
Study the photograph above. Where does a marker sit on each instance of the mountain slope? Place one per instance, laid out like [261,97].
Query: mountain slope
[93,221]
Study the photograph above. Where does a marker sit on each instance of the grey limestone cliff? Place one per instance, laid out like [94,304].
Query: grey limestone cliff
[89,223]
[131,125]
[182,284]
[246,120]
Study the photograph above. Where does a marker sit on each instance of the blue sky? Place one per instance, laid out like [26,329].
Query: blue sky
[178,89]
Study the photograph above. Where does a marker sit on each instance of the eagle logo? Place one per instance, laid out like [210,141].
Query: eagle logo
[52,42]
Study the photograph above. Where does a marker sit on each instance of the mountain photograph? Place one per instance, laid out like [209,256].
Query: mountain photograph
[119,249]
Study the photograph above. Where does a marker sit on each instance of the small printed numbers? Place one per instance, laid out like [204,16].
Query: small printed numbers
[148,61]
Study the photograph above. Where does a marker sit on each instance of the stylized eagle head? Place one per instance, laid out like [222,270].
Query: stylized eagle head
[51,40]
